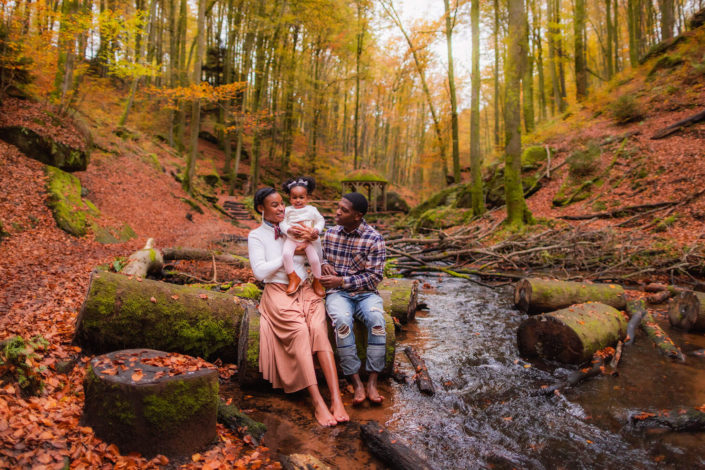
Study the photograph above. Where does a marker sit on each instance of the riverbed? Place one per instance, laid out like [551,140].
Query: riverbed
[486,413]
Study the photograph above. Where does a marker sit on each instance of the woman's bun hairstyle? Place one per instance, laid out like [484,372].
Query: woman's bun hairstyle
[305,181]
[260,196]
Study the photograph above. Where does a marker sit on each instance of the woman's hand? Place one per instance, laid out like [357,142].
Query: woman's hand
[312,234]
[297,231]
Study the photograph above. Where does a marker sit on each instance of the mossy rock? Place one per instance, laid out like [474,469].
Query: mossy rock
[194,205]
[211,179]
[151,402]
[72,213]
[246,291]
[394,202]
[44,149]
[533,156]
[443,217]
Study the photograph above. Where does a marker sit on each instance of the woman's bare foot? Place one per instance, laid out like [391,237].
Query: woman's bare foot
[338,410]
[324,416]
[359,390]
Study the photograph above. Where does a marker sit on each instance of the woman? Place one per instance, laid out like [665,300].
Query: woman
[292,327]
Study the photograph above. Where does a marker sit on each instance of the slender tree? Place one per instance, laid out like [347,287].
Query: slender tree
[450,16]
[478,204]
[581,82]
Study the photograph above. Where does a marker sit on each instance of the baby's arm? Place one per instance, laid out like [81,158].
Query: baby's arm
[319,223]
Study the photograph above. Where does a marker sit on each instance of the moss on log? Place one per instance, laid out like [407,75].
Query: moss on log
[400,297]
[144,261]
[123,312]
[248,347]
[661,340]
[151,402]
[238,421]
[687,311]
[246,291]
[532,295]
[572,335]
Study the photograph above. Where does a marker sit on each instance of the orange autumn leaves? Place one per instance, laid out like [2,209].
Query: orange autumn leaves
[169,364]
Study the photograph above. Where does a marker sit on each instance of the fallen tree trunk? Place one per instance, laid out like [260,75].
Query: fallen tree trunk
[687,311]
[204,255]
[239,422]
[656,334]
[533,295]
[571,335]
[122,312]
[386,447]
[423,380]
[695,118]
[248,348]
[146,260]
[679,419]
[597,367]
[400,297]
[636,312]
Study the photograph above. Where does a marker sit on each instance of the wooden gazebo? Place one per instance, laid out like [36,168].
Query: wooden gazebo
[367,182]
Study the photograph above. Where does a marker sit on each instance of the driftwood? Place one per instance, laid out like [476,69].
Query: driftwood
[687,311]
[678,419]
[239,422]
[386,447]
[636,312]
[128,312]
[655,333]
[695,118]
[597,367]
[532,295]
[423,380]
[571,335]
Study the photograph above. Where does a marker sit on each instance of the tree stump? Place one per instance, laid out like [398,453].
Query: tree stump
[400,297]
[572,335]
[534,296]
[122,312]
[151,402]
[248,348]
[687,311]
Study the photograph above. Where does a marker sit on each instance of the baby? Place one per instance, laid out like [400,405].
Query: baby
[301,215]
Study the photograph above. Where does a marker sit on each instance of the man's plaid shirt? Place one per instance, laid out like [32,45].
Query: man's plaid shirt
[357,256]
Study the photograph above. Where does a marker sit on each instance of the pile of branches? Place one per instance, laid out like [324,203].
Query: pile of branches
[578,253]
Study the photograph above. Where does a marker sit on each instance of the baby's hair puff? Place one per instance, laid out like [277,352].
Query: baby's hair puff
[304,181]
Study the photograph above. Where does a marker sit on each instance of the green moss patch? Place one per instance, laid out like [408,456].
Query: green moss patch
[247,291]
[178,402]
[364,175]
[533,156]
[71,212]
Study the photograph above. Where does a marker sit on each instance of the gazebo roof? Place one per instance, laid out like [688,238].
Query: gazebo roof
[362,176]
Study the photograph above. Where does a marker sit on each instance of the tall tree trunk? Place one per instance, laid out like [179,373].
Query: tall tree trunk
[527,81]
[539,64]
[581,83]
[667,19]
[517,212]
[496,74]
[610,39]
[450,20]
[633,15]
[140,60]
[196,103]
[289,106]
[360,37]
[477,200]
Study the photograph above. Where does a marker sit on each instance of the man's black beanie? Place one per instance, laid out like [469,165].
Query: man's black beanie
[358,201]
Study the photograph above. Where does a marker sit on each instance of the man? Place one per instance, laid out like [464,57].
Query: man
[354,255]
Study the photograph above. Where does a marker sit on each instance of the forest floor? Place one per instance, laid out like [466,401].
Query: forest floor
[44,271]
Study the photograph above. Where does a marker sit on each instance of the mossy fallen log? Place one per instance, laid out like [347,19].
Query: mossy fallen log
[687,311]
[636,311]
[144,261]
[124,312]
[151,402]
[661,340]
[400,297]
[248,348]
[388,448]
[239,422]
[532,295]
[183,253]
[679,419]
[572,335]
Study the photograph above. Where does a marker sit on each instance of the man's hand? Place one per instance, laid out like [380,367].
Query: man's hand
[331,282]
[328,270]
[312,234]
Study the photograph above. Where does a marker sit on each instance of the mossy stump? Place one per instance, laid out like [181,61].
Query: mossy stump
[129,312]
[400,297]
[152,402]
[687,311]
[532,295]
[248,348]
[572,335]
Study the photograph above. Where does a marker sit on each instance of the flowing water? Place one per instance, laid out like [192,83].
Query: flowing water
[486,413]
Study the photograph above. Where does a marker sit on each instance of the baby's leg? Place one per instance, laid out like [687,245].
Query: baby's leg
[288,255]
[313,260]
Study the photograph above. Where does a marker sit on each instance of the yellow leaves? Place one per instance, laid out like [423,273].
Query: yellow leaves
[202,91]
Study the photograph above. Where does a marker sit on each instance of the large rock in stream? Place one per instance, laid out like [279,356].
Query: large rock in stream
[44,149]
[152,402]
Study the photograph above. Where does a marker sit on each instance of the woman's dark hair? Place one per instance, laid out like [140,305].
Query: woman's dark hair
[305,181]
[260,196]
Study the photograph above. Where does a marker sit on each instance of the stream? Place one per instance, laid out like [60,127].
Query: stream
[484,414]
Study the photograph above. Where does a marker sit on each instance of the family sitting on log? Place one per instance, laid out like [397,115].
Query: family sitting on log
[293,317]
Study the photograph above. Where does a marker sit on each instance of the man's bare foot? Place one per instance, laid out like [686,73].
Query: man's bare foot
[358,390]
[324,416]
[372,392]
[338,410]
